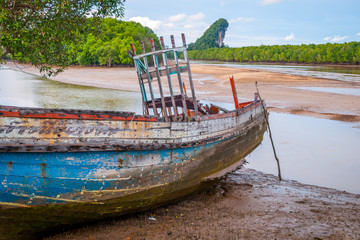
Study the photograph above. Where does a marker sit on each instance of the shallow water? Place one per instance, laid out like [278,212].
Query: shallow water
[344,91]
[315,151]
[26,90]
[311,150]
[343,73]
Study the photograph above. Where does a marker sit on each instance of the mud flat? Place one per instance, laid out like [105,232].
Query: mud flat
[246,205]
[283,92]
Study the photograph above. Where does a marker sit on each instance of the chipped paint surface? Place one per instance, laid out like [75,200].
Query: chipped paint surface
[24,134]
[139,164]
[135,155]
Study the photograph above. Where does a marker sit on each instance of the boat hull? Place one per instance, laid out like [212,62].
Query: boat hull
[54,190]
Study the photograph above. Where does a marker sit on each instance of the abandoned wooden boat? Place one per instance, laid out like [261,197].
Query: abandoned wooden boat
[63,167]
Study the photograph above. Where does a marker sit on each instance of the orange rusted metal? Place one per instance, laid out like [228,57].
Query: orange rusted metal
[233,87]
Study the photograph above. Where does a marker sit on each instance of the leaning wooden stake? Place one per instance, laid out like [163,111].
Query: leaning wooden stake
[268,125]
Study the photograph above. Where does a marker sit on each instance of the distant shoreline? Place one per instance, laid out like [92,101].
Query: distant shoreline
[284,63]
[232,62]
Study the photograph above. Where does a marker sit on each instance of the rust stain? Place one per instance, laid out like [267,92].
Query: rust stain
[9,165]
[43,172]
[120,161]
[72,114]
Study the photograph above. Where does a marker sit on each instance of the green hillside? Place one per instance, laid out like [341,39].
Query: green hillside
[213,37]
[339,53]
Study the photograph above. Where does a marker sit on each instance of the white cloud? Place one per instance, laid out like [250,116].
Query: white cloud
[182,17]
[177,18]
[290,37]
[187,26]
[222,3]
[241,19]
[169,25]
[192,25]
[358,34]
[145,21]
[335,38]
[268,2]
[196,17]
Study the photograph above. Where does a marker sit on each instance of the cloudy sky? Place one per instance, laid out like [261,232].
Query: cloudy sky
[252,22]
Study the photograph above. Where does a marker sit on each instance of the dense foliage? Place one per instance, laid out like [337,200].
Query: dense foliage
[348,53]
[110,47]
[41,31]
[213,37]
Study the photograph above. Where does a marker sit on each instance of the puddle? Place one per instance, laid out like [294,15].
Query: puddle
[344,91]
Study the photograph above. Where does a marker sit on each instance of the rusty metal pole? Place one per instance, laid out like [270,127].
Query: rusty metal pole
[141,83]
[190,76]
[149,80]
[156,64]
[166,64]
[179,77]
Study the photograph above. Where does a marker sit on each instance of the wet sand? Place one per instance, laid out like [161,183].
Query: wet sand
[248,204]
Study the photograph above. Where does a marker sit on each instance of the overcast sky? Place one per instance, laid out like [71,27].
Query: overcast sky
[252,22]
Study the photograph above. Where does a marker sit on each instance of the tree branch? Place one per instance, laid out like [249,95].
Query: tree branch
[4,54]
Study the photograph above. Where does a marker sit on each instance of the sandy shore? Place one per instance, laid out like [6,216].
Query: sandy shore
[248,204]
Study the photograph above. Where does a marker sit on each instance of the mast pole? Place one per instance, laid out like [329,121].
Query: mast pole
[141,83]
[156,64]
[149,80]
[166,64]
[179,78]
[190,76]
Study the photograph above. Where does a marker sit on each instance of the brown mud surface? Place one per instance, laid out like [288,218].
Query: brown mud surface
[246,205]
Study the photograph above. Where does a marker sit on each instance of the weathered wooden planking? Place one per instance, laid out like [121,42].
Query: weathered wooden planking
[88,186]
[47,135]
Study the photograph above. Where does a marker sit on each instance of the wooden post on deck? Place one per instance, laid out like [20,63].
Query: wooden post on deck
[179,78]
[190,76]
[156,64]
[149,80]
[141,83]
[166,64]
[233,87]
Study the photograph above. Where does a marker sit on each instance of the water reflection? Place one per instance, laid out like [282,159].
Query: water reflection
[343,73]
[21,89]
[315,151]
[345,91]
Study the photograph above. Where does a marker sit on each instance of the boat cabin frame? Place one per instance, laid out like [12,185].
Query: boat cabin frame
[175,107]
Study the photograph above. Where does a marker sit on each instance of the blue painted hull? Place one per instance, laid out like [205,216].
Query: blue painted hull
[143,165]
[46,178]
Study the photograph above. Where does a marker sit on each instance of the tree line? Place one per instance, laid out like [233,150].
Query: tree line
[105,43]
[110,46]
[342,53]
